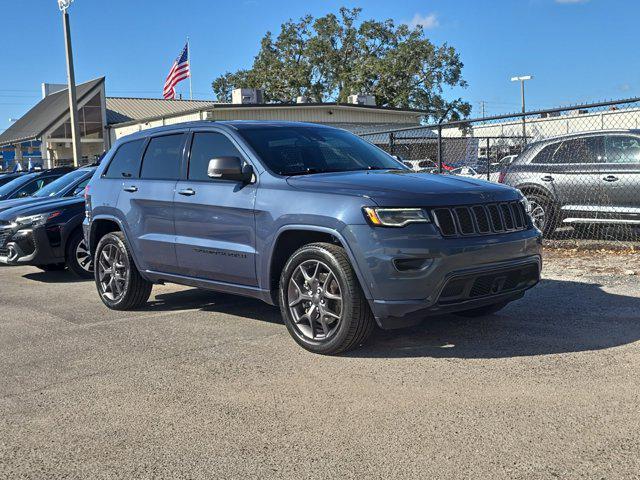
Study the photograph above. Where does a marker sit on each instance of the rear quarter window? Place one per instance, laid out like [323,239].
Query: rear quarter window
[126,161]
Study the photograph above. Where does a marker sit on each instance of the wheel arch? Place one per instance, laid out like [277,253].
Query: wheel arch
[103,225]
[291,237]
[532,188]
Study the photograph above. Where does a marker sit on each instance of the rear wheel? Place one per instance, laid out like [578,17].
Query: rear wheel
[79,259]
[321,301]
[119,283]
[543,213]
[482,311]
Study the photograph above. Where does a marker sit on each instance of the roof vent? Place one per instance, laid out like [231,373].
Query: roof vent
[247,96]
[360,99]
[302,99]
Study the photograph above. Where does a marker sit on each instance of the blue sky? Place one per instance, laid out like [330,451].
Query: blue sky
[578,50]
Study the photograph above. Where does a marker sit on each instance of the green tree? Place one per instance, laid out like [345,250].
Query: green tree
[332,57]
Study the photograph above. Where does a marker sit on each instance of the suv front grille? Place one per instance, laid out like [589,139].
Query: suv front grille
[474,286]
[481,219]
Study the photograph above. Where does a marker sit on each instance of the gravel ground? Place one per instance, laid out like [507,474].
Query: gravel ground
[203,385]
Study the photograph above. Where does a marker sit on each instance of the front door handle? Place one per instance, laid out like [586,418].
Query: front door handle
[610,178]
[131,189]
[547,178]
[187,192]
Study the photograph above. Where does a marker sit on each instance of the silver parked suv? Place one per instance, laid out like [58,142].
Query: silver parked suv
[580,179]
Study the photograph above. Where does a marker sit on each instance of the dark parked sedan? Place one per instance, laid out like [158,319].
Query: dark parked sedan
[69,185]
[46,234]
[27,184]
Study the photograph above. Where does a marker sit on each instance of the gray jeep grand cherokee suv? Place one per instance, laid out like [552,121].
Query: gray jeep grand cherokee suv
[580,179]
[337,232]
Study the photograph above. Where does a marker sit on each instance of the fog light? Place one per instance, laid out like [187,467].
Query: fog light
[412,264]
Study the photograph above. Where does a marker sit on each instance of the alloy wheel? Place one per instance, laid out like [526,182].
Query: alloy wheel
[83,257]
[538,214]
[112,272]
[315,300]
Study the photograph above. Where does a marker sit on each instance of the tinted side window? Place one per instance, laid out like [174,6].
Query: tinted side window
[622,149]
[205,146]
[578,150]
[33,186]
[79,190]
[126,161]
[162,159]
[546,154]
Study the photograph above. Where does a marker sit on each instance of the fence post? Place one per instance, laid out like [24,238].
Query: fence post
[392,143]
[440,147]
[488,162]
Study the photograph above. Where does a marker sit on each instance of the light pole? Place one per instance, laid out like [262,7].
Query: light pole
[71,80]
[522,79]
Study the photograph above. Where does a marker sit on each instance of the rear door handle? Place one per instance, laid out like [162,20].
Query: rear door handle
[547,178]
[610,178]
[131,189]
[187,192]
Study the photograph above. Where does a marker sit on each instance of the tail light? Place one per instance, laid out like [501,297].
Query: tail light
[501,176]
[87,202]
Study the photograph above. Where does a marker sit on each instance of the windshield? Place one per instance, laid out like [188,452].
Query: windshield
[60,184]
[8,188]
[307,150]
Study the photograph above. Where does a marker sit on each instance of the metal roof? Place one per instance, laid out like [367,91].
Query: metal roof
[126,109]
[47,112]
[123,111]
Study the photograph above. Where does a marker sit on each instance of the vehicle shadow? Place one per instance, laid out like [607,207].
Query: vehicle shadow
[62,276]
[209,301]
[555,317]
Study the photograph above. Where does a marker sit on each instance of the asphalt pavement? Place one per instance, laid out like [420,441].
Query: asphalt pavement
[205,385]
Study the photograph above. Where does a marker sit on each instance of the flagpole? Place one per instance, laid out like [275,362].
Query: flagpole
[189,57]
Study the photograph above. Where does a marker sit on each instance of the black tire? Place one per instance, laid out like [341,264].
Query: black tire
[53,267]
[549,209]
[79,264]
[132,291]
[482,311]
[355,321]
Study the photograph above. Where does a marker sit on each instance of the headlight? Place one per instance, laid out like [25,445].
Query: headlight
[36,220]
[395,217]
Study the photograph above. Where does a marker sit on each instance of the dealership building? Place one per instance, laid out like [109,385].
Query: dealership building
[43,134]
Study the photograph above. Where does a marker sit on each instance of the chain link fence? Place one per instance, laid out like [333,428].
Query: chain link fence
[579,167]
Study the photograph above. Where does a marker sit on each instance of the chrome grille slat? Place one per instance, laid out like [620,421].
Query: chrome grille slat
[474,220]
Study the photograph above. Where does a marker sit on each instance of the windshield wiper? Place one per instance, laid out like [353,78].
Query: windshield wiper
[310,171]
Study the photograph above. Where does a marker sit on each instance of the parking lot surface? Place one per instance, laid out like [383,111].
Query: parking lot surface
[205,385]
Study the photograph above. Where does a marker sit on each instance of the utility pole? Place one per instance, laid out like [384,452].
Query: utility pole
[482,102]
[522,79]
[71,81]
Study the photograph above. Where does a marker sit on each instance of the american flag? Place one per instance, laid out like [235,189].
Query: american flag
[179,71]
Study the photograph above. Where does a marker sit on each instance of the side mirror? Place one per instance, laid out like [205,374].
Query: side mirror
[230,168]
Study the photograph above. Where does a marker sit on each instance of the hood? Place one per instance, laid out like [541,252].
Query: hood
[391,188]
[43,206]
[16,202]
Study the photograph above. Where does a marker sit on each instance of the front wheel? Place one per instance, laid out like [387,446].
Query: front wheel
[79,259]
[543,213]
[321,301]
[119,283]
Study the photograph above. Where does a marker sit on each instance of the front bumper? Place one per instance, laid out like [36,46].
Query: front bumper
[400,298]
[30,246]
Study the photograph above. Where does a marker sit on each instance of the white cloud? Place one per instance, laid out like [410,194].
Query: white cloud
[427,21]
[571,1]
